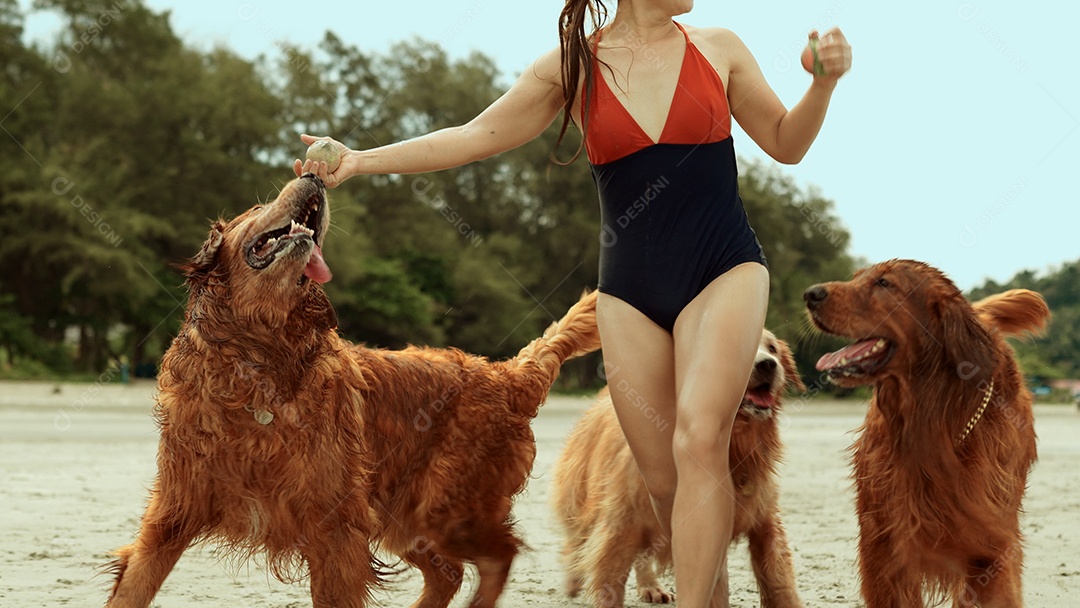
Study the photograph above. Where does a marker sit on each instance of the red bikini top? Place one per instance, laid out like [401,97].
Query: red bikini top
[698,114]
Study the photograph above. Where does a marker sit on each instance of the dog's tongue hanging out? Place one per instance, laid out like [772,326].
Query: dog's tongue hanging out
[316,268]
[866,349]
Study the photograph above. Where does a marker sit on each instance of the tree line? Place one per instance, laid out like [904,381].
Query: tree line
[126,141]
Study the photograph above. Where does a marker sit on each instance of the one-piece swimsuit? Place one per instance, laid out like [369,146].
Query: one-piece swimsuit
[672,218]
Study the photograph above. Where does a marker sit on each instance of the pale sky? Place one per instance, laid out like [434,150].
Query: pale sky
[955,139]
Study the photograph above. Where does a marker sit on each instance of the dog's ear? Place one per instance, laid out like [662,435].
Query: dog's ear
[198,267]
[1014,312]
[791,372]
[968,346]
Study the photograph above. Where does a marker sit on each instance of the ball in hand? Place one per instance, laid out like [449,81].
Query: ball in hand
[325,151]
[810,61]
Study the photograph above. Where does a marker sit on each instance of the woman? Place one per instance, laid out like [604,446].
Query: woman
[683,283]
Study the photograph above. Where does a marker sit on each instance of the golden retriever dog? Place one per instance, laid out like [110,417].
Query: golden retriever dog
[608,520]
[280,437]
[941,462]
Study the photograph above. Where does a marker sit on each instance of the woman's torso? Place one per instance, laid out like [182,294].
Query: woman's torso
[667,178]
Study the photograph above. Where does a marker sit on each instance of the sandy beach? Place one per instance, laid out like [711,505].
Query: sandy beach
[76,461]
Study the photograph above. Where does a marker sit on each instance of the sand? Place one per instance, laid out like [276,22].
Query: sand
[76,462]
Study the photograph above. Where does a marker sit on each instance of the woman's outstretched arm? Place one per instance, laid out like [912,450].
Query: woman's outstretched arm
[515,118]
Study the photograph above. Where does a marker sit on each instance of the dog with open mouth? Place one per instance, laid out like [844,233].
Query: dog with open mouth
[607,517]
[941,461]
[279,437]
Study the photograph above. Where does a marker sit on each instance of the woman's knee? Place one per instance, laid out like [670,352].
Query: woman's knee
[660,486]
[702,442]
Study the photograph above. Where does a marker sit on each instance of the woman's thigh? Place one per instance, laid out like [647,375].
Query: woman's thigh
[639,364]
[716,338]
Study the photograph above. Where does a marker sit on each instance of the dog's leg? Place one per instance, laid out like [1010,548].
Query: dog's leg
[490,544]
[442,578]
[885,583]
[648,586]
[142,566]
[342,572]
[493,574]
[770,556]
[571,556]
[574,584]
[493,550]
[994,582]
[610,553]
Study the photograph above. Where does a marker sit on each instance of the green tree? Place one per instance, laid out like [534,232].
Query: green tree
[134,140]
[145,140]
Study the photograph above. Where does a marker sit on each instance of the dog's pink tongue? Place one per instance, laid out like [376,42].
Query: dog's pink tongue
[316,268]
[845,355]
[762,398]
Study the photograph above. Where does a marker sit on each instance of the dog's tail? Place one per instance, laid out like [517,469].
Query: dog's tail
[1014,312]
[572,336]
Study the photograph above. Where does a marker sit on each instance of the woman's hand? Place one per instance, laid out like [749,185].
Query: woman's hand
[834,55]
[345,168]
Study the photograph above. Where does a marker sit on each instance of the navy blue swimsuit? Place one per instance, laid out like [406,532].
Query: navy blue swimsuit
[672,219]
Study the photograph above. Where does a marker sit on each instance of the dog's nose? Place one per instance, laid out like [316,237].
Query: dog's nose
[815,295]
[310,175]
[766,365]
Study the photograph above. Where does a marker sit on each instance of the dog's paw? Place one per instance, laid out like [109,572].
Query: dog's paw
[573,586]
[654,594]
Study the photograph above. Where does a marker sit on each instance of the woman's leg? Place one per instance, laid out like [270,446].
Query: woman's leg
[640,366]
[716,337]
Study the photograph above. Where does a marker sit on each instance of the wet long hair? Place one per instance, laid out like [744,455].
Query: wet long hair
[576,53]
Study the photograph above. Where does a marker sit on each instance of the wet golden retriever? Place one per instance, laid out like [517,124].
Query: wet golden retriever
[280,437]
[608,520]
[942,459]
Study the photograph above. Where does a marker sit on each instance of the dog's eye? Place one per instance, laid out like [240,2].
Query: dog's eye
[883,282]
[772,348]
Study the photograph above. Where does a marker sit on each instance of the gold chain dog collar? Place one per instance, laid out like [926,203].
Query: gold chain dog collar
[978,414]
